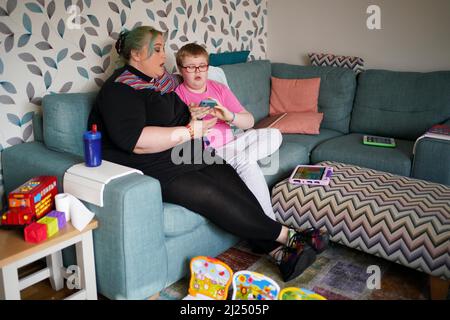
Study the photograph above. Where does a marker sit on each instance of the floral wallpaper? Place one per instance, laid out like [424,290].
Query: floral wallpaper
[53,46]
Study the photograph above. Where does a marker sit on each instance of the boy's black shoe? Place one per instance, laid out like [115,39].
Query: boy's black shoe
[318,239]
[295,259]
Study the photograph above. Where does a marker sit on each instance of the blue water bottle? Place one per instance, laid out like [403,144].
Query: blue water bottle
[92,147]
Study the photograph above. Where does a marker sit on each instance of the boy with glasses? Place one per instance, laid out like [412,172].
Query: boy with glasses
[241,151]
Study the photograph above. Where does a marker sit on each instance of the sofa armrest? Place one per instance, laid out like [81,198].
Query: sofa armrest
[130,255]
[431,160]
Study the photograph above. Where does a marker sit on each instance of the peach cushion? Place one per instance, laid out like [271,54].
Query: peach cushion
[294,95]
[294,122]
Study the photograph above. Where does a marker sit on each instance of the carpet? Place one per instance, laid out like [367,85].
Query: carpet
[339,273]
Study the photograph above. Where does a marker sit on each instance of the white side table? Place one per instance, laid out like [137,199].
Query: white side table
[15,253]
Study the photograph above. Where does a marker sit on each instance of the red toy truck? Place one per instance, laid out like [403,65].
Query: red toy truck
[31,201]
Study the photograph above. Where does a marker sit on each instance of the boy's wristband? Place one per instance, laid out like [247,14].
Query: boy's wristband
[234,117]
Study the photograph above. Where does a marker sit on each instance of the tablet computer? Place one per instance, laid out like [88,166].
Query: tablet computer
[313,175]
[379,141]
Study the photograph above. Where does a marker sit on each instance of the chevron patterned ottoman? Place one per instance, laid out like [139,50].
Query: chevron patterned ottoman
[403,220]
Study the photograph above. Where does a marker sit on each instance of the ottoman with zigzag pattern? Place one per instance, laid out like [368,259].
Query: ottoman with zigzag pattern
[401,219]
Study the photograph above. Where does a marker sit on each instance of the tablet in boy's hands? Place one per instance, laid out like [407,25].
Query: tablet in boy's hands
[208,103]
[313,175]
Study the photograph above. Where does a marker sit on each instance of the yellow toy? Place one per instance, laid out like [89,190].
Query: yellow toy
[52,225]
[210,279]
[292,293]
[249,285]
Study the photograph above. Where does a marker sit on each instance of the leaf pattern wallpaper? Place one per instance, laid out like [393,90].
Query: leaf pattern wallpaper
[59,46]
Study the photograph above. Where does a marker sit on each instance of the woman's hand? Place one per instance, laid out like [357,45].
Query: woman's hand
[201,127]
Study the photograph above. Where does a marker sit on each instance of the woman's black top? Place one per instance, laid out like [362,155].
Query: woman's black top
[127,103]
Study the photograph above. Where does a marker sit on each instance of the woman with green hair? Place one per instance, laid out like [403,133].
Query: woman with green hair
[141,127]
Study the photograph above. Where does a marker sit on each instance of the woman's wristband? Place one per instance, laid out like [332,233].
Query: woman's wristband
[191,130]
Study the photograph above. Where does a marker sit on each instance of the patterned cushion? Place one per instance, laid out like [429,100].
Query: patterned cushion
[331,60]
[403,220]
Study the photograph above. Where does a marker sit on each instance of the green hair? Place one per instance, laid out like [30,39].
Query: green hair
[136,39]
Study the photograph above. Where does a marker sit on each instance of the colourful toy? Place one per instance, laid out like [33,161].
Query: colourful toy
[61,216]
[35,232]
[249,285]
[17,217]
[30,201]
[210,279]
[51,224]
[292,293]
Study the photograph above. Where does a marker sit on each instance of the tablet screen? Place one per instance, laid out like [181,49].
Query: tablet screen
[309,173]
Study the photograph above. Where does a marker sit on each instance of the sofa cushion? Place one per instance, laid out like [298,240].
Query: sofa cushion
[65,120]
[179,220]
[309,142]
[294,95]
[332,60]
[223,58]
[299,122]
[400,104]
[350,149]
[295,149]
[337,90]
[250,82]
[38,132]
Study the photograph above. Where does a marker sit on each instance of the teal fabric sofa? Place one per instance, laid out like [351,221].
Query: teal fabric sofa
[143,245]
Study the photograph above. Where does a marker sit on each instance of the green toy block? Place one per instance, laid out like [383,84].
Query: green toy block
[52,225]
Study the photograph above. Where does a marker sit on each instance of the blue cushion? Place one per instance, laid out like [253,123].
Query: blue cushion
[350,149]
[400,104]
[250,82]
[219,59]
[65,120]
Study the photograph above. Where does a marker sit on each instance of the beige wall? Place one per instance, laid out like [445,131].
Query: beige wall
[414,35]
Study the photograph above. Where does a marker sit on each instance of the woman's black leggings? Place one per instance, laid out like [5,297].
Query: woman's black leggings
[218,193]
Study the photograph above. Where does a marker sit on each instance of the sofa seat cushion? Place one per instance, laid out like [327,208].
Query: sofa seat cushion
[311,141]
[179,220]
[295,149]
[350,149]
